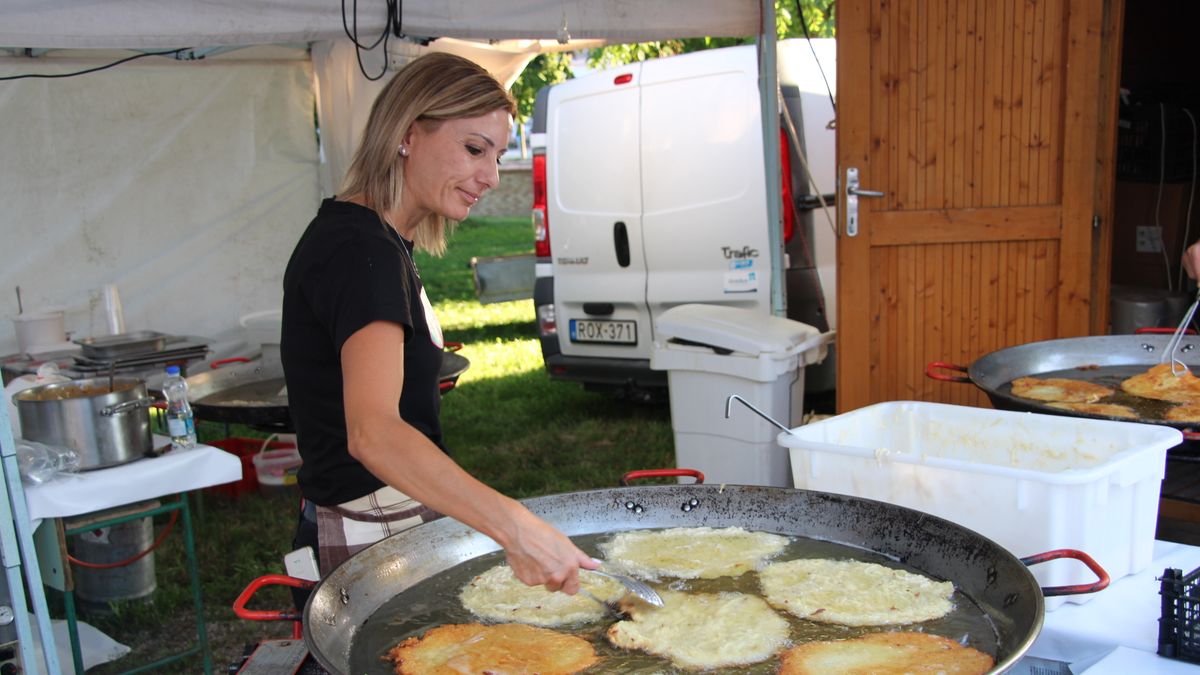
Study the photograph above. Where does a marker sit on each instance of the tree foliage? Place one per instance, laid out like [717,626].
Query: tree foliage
[549,69]
[543,70]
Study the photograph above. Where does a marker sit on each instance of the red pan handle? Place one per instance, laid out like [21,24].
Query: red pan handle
[662,473]
[239,605]
[220,362]
[1161,331]
[929,372]
[1077,589]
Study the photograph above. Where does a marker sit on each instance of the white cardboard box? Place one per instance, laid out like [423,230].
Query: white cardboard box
[1032,483]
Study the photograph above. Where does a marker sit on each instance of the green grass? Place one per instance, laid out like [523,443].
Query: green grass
[505,422]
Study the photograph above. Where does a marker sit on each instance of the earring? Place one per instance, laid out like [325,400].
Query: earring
[403,151]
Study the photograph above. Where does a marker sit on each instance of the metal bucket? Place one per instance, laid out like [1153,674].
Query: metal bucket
[96,588]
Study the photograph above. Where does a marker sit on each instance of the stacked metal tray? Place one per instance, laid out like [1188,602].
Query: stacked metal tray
[141,349]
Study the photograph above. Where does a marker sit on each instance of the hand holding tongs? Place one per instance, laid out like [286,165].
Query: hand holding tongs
[1169,354]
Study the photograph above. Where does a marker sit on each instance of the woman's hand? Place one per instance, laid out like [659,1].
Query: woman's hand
[540,554]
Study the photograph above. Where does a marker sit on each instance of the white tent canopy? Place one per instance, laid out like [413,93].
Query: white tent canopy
[153,24]
[186,183]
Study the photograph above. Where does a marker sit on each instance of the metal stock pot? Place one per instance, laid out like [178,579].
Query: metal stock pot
[351,597]
[106,421]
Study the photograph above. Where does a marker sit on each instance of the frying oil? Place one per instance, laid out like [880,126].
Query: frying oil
[1147,409]
[434,602]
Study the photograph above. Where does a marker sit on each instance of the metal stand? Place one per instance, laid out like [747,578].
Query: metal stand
[58,576]
[16,536]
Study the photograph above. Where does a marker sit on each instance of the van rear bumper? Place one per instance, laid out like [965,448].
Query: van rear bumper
[604,372]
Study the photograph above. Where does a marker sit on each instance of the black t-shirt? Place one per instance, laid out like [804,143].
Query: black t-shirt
[348,270]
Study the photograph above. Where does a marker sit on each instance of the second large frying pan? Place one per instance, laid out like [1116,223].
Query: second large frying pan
[1106,359]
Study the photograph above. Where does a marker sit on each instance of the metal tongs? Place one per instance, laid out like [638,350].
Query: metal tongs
[1178,367]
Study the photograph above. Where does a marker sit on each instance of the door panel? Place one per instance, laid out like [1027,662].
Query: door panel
[978,121]
[595,131]
[704,212]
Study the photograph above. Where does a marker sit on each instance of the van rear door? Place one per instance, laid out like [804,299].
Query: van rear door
[704,218]
[595,214]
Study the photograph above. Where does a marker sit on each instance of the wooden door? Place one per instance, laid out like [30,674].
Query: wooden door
[984,125]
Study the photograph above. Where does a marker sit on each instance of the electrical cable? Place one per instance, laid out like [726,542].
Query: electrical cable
[127,59]
[1187,221]
[795,138]
[1162,177]
[811,260]
[393,25]
[359,47]
[804,27]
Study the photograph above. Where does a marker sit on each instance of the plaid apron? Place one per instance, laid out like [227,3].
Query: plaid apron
[348,528]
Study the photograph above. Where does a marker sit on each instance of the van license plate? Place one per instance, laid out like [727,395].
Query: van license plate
[611,332]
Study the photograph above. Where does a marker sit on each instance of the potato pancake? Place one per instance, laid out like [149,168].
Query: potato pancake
[699,631]
[498,595]
[1184,413]
[885,654]
[510,648]
[691,552]
[1058,389]
[1161,384]
[853,593]
[1106,409]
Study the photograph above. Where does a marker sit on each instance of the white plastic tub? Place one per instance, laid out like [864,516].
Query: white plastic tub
[1030,482]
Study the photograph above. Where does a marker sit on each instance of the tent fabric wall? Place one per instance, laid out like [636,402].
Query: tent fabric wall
[186,184]
[151,24]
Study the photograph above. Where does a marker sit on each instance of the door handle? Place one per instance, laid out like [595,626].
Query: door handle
[621,243]
[853,192]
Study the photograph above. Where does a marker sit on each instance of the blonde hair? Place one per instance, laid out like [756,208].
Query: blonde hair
[429,90]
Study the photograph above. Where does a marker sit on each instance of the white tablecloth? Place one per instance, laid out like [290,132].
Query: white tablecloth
[1117,631]
[91,491]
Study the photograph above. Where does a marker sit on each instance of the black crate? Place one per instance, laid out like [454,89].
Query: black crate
[1142,154]
[1179,626]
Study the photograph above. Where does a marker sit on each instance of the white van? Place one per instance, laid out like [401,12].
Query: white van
[649,192]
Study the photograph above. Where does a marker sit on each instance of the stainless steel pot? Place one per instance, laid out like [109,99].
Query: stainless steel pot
[106,426]
[349,598]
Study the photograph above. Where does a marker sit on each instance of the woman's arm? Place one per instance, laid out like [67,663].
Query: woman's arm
[401,456]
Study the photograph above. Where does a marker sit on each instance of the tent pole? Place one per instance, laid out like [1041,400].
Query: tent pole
[768,90]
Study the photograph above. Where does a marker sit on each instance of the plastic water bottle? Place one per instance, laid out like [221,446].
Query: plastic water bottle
[181,424]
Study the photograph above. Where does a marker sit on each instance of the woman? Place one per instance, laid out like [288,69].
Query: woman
[361,346]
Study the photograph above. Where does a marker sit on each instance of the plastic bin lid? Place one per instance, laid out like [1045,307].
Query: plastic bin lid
[732,328]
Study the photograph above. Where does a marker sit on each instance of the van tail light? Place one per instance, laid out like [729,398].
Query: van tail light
[541,220]
[785,173]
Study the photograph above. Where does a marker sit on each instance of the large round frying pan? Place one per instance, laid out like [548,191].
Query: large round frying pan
[1106,360]
[350,597]
[241,391]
